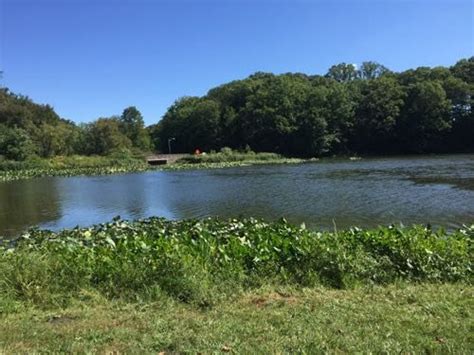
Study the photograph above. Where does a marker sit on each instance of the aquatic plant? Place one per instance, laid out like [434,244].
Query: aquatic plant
[226,155]
[39,172]
[195,260]
[69,166]
[79,165]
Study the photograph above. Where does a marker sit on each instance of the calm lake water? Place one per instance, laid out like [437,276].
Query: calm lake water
[369,192]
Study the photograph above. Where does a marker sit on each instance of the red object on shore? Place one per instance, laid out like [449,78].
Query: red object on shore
[197,152]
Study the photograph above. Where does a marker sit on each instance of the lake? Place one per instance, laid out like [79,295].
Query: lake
[426,189]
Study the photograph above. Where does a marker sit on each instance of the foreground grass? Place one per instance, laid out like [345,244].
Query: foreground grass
[236,285]
[422,318]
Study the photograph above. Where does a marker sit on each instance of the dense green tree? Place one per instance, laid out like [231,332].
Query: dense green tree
[104,136]
[174,125]
[48,133]
[155,135]
[311,137]
[367,110]
[232,99]
[133,126]
[377,113]
[343,72]
[425,117]
[191,123]
[340,117]
[204,125]
[423,74]
[464,70]
[271,112]
[371,70]
[15,143]
[461,95]
[59,139]
[40,131]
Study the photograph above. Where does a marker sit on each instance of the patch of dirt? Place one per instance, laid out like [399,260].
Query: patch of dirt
[61,319]
[273,297]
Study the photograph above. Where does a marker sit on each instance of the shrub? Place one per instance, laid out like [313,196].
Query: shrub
[195,260]
[226,155]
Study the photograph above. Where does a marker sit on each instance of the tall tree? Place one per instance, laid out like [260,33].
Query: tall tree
[15,143]
[425,117]
[371,70]
[377,114]
[104,136]
[464,70]
[342,72]
[133,126]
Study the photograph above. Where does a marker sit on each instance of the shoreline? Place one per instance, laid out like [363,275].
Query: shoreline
[100,165]
[223,240]
[30,173]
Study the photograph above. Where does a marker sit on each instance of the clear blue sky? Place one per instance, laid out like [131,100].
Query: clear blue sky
[93,58]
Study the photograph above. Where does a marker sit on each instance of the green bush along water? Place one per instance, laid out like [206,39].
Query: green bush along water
[239,285]
[105,165]
[197,261]
[69,166]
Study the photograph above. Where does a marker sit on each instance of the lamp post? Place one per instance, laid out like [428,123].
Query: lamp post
[169,144]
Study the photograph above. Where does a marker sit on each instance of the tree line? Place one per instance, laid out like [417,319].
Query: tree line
[365,110]
[350,110]
[28,129]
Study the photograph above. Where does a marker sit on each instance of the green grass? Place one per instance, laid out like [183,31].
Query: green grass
[180,165]
[200,261]
[236,285]
[235,158]
[115,164]
[70,166]
[419,318]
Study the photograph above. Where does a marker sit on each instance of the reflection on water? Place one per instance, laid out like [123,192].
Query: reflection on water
[436,190]
[23,205]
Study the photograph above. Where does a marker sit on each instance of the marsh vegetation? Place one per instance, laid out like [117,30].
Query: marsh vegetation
[408,288]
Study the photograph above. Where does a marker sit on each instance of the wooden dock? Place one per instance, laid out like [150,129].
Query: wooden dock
[162,159]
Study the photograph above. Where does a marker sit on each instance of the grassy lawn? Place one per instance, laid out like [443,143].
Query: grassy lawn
[398,319]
